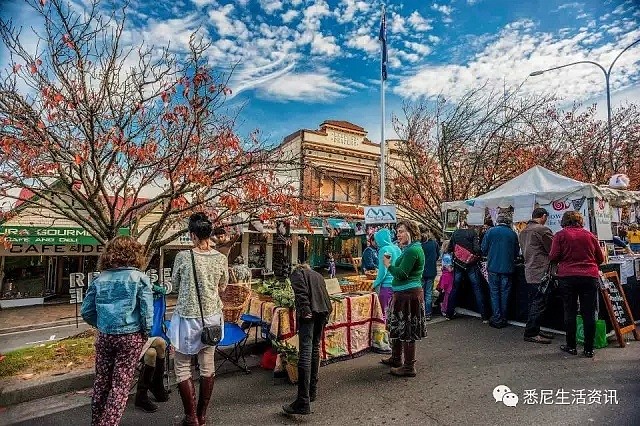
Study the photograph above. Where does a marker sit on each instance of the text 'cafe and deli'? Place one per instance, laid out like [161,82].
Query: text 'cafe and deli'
[38,262]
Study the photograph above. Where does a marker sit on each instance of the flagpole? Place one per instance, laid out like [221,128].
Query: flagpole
[382,126]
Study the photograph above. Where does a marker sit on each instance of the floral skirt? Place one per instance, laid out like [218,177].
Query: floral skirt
[406,318]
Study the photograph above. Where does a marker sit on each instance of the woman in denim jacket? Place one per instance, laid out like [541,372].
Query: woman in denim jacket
[119,303]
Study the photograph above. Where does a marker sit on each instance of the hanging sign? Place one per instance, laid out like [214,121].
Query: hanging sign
[604,217]
[380,214]
[558,208]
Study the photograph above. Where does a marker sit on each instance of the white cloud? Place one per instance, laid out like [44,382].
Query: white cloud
[364,42]
[442,8]
[421,49]
[348,9]
[472,2]
[433,39]
[324,45]
[314,87]
[270,6]
[574,5]
[398,24]
[203,3]
[290,15]
[227,26]
[419,23]
[173,32]
[519,50]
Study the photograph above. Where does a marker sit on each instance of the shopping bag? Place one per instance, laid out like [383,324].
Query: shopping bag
[600,340]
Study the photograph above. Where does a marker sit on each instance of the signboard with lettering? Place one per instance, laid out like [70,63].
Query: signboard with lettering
[558,208]
[617,307]
[380,214]
[604,217]
[78,281]
[345,138]
[51,250]
[34,235]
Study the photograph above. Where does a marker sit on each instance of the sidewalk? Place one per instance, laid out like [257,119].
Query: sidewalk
[34,317]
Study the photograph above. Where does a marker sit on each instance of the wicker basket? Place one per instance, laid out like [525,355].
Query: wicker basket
[365,286]
[349,288]
[292,372]
[371,275]
[264,297]
[234,302]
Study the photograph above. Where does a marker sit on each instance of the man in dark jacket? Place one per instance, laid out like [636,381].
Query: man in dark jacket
[313,308]
[370,256]
[535,241]
[500,246]
[467,238]
[431,251]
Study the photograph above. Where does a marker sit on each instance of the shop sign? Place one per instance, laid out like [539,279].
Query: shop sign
[35,235]
[52,250]
[558,208]
[604,217]
[380,214]
[78,281]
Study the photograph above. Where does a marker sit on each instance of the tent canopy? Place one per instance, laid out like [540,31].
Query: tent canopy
[536,185]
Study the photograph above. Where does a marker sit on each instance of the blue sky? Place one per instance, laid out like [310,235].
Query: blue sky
[303,61]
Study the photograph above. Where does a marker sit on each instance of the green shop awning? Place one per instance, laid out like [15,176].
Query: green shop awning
[51,235]
[335,223]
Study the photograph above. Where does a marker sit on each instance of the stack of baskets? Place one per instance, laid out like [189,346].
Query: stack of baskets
[234,302]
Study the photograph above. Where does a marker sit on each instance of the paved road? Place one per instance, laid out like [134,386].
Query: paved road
[22,339]
[459,365]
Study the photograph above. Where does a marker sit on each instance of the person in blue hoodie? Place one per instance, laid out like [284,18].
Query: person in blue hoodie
[382,284]
[500,246]
[370,256]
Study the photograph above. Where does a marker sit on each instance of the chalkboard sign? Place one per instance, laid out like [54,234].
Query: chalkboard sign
[617,307]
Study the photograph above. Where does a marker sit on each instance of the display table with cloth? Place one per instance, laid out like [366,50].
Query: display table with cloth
[355,325]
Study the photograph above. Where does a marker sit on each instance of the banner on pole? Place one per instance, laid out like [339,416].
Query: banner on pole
[380,214]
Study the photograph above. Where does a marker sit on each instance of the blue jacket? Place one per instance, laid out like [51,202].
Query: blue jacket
[500,246]
[431,255]
[119,301]
[369,259]
[383,240]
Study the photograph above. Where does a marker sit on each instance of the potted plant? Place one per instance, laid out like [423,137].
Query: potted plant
[289,354]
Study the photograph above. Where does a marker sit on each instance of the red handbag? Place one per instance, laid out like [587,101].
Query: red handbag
[464,256]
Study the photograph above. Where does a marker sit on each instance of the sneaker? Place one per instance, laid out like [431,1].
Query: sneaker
[588,354]
[567,349]
[428,317]
[546,335]
[485,321]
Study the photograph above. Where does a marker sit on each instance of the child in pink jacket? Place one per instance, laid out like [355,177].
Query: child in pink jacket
[446,280]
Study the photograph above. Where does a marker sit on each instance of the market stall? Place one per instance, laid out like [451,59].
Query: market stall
[539,187]
[355,326]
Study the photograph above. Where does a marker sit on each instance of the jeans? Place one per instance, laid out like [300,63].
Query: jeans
[585,289]
[537,304]
[309,335]
[473,274]
[499,289]
[427,287]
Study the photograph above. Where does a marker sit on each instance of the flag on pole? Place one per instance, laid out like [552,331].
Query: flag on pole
[383,39]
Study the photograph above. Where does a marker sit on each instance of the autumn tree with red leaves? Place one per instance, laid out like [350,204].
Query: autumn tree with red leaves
[102,133]
[454,150]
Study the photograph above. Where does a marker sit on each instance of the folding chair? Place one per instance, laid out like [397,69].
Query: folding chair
[251,321]
[235,338]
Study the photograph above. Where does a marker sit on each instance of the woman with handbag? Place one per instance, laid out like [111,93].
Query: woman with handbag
[578,255]
[199,275]
[465,248]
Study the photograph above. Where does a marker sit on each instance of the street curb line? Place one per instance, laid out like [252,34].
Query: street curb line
[24,391]
[28,391]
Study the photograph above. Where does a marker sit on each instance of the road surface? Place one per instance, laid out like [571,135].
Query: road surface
[459,366]
[22,339]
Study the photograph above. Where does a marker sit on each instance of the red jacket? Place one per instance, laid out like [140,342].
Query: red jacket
[577,253]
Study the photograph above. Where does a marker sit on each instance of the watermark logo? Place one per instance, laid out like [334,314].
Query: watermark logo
[502,393]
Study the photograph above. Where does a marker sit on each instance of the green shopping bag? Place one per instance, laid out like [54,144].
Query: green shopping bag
[600,340]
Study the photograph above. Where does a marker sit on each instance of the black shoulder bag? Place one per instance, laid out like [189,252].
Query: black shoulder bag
[210,335]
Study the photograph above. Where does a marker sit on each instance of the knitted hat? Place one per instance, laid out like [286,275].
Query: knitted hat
[504,217]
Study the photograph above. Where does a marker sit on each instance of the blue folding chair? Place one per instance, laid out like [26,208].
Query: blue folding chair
[251,321]
[231,347]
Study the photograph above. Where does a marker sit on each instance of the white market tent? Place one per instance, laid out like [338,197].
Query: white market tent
[539,186]
[536,185]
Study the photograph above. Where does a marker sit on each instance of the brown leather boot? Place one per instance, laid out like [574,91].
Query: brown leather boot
[409,368]
[395,360]
[206,388]
[188,396]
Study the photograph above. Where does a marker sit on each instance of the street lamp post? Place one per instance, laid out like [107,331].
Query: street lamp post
[607,74]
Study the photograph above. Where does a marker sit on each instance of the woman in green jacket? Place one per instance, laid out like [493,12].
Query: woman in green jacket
[406,319]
